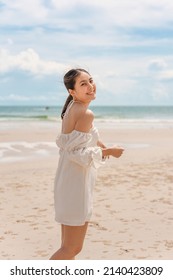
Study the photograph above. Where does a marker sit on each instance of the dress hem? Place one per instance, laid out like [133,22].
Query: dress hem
[72,225]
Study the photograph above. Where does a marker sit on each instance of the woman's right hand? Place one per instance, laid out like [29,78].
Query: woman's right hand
[114,151]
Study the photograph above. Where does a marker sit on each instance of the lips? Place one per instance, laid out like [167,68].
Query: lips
[91,93]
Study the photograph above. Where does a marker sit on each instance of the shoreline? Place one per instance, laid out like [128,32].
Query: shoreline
[27,141]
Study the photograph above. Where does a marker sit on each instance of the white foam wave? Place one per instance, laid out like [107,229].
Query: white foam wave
[22,151]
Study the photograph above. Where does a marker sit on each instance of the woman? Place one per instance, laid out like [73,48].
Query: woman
[81,153]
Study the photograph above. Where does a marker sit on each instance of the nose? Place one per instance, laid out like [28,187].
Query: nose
[91,86]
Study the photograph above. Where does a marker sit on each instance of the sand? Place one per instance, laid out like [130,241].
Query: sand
[133,197]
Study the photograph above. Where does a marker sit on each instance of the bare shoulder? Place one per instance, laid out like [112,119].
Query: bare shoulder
[84,119]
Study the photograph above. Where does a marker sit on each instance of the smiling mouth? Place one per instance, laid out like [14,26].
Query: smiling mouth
[91,93]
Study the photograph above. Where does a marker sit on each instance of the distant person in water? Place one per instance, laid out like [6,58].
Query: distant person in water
[81,153]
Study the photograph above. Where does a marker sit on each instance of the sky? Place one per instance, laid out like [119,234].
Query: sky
[126,45]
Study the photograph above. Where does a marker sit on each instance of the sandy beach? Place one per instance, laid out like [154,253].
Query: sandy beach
[133,198]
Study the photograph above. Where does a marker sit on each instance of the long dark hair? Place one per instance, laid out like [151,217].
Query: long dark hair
[69,82]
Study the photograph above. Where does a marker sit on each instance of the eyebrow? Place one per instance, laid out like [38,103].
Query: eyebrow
[86,80]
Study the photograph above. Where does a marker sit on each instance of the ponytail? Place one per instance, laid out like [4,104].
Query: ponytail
[68,100]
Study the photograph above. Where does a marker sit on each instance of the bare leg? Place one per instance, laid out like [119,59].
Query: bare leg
[62,234]
[72,242]
[62,237]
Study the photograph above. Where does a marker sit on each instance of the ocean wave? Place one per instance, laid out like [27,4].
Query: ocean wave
[22,151]
[104,114]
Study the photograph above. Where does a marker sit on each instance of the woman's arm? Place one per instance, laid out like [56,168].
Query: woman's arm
[100,144]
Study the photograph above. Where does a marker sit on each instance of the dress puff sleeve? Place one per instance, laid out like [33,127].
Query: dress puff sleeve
[81,149]
[90,156]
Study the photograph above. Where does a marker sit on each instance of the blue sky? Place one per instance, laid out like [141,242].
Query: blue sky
[127,46]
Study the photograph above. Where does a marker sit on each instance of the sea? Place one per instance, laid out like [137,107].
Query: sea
[115,114]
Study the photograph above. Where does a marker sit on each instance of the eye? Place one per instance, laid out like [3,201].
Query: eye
[83,84]
[91,81]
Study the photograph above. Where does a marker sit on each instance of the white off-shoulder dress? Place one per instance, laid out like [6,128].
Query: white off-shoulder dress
[75,177]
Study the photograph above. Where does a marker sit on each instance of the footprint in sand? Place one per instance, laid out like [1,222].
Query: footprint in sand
[94,224]
[8,232]
[41,253]
[21,221]
[169,244]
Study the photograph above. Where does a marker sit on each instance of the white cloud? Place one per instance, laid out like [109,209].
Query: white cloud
[40,37]
[15,97]
[160,69]
[108,22]
[157,65]
[29,98]
[166,75]
[140,13]
[29,61]
[9,41]
[122,13]
[19,12]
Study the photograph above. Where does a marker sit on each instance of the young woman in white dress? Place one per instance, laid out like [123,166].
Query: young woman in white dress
[81,153]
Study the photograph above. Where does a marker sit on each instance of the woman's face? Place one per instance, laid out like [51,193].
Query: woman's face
[85,88]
